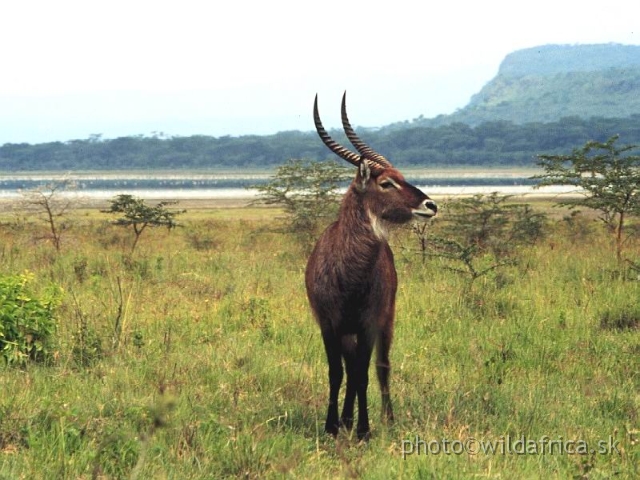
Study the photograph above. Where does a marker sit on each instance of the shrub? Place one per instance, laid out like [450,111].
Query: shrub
[309,193]
[483,233]
[491,224]
[27,323]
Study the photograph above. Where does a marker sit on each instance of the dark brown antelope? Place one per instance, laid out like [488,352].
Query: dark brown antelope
[351,277]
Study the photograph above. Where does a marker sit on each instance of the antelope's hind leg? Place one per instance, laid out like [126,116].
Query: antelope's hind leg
[364,348]
[383,369]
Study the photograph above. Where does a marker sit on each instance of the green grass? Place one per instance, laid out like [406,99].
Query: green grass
[198,358]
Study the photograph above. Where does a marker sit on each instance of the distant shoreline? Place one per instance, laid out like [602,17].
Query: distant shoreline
[426,172]
[18,204]
[213,189]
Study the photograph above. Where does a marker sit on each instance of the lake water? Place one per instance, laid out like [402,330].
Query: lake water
[235,185]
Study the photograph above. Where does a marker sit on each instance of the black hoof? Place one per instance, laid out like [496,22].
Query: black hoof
[331,429]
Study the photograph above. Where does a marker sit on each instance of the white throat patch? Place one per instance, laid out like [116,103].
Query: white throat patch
[378,226]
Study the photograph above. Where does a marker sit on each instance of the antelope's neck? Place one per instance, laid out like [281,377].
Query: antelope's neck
[361,231]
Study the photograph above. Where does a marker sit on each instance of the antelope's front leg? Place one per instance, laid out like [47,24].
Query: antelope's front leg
[334,358]
[350,360]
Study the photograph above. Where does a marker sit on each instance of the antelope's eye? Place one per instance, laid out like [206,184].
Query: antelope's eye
[386,184]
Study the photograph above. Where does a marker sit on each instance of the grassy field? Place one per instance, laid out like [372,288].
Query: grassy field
[197,357]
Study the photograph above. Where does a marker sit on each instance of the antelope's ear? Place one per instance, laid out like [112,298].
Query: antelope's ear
[364,177]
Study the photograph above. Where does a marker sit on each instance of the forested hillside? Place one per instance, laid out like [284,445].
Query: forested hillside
[545,84]
[490,143]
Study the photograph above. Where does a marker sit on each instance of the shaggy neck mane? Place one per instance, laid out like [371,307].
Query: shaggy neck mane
[358,220]
[359,233]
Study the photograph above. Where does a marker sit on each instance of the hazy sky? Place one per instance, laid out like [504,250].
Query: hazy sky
[69,68]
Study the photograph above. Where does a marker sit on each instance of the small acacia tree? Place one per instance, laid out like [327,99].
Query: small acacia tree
[607,175]
[138,215]
[308,192]
[52,205]
[495,223]
[483,233]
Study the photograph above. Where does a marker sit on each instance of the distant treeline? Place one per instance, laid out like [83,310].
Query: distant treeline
[491,143]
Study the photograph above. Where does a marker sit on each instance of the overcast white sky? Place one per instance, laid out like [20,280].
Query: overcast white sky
[71,68]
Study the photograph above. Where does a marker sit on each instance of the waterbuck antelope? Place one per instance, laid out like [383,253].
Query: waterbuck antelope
[351,277]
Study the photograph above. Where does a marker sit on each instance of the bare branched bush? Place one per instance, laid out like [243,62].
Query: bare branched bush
[51,205]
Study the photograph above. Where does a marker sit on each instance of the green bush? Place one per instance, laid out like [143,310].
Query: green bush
[26,323]
[308,192]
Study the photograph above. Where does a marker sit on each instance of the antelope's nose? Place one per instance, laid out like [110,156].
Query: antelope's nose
[430,205]
[428,209]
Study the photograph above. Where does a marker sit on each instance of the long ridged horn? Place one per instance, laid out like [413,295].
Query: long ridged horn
[361,147]
[335,147]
